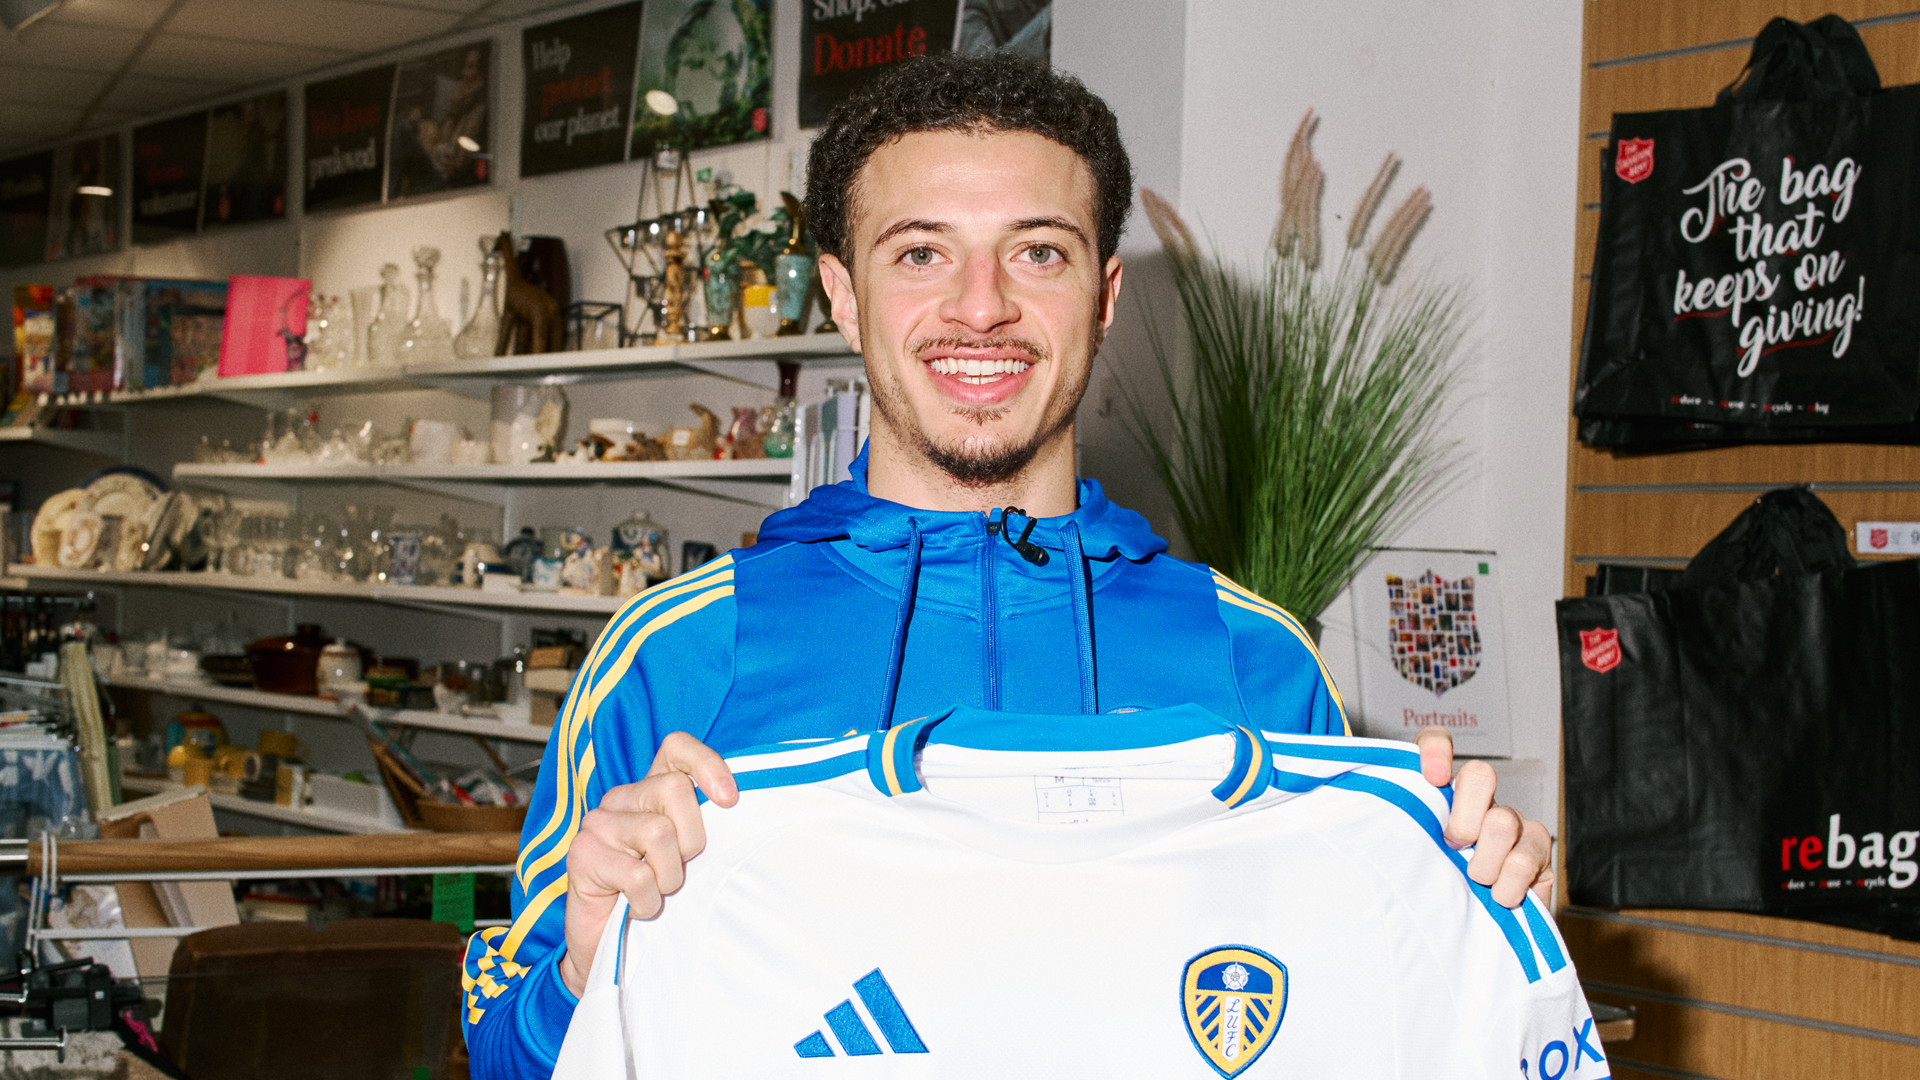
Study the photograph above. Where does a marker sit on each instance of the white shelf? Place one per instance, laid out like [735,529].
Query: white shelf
[313,706]
[105,443]
[324,820]
[746,469]
[636,361]
[399,594]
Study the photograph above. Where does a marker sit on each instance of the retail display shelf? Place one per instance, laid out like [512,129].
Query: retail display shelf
[107,443]
[747,469]
[313,706]
[528,600]
[327,821]
[637,360]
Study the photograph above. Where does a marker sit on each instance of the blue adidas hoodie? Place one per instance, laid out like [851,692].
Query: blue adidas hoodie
[853,613]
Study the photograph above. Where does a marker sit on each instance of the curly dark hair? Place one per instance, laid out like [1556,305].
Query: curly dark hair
[954,92]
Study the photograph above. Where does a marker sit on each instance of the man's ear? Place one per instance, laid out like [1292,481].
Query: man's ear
[837,280]
[1109,294]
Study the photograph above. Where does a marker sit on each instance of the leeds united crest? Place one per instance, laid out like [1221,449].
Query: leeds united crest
[1233,997]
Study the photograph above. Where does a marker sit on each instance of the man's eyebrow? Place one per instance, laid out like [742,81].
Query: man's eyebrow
[1060,223]
[912,225]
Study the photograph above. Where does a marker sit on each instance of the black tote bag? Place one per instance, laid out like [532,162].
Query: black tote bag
[1755,259]
[1750,739]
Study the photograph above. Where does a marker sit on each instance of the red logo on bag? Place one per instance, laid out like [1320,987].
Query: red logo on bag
[1633,161]
[1600,649]
[1877,537]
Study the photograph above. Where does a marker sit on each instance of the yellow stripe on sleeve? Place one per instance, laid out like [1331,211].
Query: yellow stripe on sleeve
[1241,598]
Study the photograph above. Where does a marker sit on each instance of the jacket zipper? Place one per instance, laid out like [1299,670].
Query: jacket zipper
[989,617]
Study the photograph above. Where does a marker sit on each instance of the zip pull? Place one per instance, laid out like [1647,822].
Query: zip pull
[1028,550]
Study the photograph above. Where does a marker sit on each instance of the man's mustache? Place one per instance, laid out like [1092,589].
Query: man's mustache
[1033,352]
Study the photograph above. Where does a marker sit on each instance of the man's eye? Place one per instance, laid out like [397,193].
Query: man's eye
[1043,255]
[920,256]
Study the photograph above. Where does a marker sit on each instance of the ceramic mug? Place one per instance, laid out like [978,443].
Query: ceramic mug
[405,565]
[197,770]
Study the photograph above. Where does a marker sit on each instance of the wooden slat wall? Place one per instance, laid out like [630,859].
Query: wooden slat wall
[1721,995]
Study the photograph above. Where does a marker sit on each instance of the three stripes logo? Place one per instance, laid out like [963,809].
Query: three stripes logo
[855,1033]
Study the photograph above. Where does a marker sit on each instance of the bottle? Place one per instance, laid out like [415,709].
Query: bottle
[482,332]
[427,340]
[786,411]
[389,325]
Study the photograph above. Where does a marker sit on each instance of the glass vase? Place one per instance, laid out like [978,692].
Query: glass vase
[792,283]
[722,295]
[428,339]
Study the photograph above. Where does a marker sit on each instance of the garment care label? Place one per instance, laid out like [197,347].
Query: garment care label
[1887,537]
[1076,800]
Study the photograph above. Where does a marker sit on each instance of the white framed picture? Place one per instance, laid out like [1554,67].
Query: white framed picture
[1430,648]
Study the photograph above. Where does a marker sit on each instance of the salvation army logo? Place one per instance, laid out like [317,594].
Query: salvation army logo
[1600,649]
[1876,538]
[1436,644]
[1633,160]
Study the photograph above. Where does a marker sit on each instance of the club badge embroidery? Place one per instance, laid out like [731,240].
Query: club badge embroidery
[1233,997]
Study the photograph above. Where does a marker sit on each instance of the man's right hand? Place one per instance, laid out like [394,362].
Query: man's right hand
[637,842]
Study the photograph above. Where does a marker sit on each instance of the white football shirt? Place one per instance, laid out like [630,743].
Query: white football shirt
[1148,894]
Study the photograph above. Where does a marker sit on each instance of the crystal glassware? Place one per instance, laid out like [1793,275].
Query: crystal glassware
[389,326]
[427,339]
[479,337]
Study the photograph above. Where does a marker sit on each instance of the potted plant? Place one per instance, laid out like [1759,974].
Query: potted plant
[1308,428]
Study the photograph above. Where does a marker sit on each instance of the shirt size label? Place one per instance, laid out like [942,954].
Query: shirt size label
[1076,800]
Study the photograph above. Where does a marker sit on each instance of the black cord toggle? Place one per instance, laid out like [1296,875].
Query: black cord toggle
[1028,550]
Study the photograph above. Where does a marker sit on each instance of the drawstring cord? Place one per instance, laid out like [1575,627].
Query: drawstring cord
[908,589]
[1082,616]
[1028,550]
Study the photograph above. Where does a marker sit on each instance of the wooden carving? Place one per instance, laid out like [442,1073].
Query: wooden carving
[529,314]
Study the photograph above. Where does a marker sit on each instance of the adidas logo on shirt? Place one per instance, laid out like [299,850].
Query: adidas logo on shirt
[852,1032]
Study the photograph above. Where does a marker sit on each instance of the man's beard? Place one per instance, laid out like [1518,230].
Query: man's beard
[971,463]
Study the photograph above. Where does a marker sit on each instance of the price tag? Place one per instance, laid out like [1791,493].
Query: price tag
[1887,537]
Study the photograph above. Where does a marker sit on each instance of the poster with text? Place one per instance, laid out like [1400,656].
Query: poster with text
[705,74]
[1427,628]
[845,44]
[26,187]
[167,162]
[579,86]
[247,161]
[442,125]
[84,213]
[1016,26]
[347,139]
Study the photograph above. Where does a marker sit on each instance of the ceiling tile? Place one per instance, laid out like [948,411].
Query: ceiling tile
[37,123]
[49,86]
[513,9]
[354,28]
[84,48]
[458,7]
[182,57]
[144,95]
[123,14]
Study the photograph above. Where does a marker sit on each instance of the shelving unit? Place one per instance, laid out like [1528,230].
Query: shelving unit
[107,443]
[527,600]
[550,473]
[323,820]
[313,706]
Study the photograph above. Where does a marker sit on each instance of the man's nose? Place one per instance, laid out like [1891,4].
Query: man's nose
[980,299]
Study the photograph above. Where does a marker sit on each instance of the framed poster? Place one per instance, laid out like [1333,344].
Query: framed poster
[347,139]
[26,195]
[1431,651]
[84,214]
[845,46]
[705,74]
[168,158]
[579,88]
[247,161]
[442,132]
[1016,26]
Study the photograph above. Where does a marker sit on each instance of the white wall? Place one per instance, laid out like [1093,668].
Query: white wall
[1481,101]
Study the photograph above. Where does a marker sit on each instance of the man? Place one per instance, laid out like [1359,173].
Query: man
[968,210]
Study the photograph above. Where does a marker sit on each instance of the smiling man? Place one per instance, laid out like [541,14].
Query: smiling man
[968,210]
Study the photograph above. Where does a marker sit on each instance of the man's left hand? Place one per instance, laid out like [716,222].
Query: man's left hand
[1510,853]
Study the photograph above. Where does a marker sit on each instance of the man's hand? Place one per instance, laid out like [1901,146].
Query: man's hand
[637,842]
[1512,853]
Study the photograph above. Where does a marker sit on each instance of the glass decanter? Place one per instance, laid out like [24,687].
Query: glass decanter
[482,333]
[389,326]
[428,339]
[786,413]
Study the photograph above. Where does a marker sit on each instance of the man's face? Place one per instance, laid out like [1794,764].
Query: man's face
[976,294]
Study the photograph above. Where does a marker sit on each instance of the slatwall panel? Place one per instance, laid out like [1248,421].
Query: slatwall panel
[1723,995]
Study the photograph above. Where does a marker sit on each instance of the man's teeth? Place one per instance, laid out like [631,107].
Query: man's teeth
[978,371]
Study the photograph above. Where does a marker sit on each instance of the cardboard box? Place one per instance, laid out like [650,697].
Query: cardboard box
[174,814]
